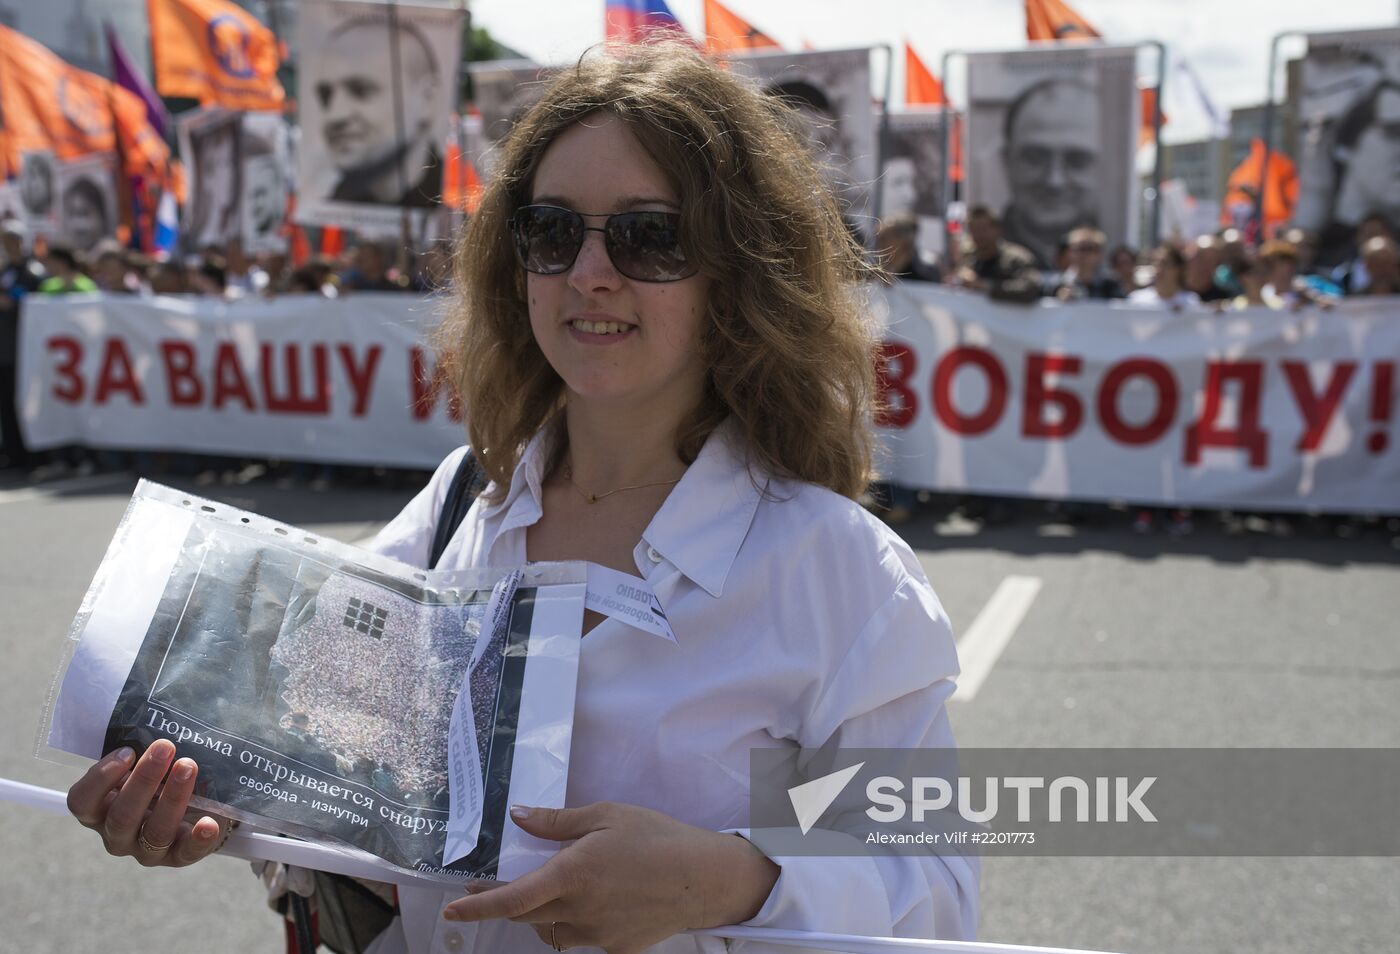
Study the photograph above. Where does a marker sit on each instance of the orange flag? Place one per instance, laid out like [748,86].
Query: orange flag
[461,186]
[1280,185]
[1055,20]
[332,241]
[216,52]
[1147,96]
[921,87]
[727,32]
[48,104]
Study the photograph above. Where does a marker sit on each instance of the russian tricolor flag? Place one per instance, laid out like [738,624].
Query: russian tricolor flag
[632,21]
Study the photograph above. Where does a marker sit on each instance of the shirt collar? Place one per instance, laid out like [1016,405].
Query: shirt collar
[528,475]
[704,521]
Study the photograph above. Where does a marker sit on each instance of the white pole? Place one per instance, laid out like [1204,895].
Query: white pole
[251,846]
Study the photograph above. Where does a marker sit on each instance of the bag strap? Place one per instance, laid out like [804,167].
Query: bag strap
[467,484]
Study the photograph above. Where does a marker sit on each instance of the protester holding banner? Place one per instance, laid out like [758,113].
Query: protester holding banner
[1086,276]
[666,371]
[1168,288]
[1005,271]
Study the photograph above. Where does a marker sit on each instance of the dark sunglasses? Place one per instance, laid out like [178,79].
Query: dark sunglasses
[643,246]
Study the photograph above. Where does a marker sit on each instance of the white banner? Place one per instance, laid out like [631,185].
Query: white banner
[1260,409]
[1264,410]
[300,377]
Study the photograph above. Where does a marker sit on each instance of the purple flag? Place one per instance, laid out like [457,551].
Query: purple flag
[126,75]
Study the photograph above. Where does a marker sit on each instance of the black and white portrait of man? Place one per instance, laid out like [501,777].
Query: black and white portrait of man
[829,94]
[38,189]
[1051,141]
[213,152]
[1051,155]
[266,168]
[377,88]
[87,201]
[1349,162]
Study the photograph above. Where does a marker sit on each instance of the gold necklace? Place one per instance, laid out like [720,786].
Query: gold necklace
[594,498]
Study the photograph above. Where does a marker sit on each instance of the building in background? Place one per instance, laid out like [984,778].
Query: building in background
[72,29]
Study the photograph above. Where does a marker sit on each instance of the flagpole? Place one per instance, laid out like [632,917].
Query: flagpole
[401,144]
[461,116]
[877,207]
[1268,135]
[1156,228]
[949,116]
[126,200]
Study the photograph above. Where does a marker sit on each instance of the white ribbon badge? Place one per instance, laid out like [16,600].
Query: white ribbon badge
[628,599]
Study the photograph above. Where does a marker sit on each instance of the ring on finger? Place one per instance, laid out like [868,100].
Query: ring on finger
[554,935]
[153,849]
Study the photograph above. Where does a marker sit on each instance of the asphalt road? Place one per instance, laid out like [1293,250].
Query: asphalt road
[1212,640]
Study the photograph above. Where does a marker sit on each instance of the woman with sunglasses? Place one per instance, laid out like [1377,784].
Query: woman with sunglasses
[667,371]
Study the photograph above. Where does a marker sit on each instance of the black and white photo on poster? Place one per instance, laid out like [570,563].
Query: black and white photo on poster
[830,92]
[377,88]
[1052,140]
[211,142]
[319,676]
[911,174]
[325,691]
[1349,142]
[266,180]
[502,91]
[87,200]
[38,191]
[11,205]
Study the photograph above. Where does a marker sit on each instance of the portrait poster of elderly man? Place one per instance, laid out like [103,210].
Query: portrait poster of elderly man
[211,142]
[830,92]
[1349,143]
[377,88]
[266,174]
[1052,136]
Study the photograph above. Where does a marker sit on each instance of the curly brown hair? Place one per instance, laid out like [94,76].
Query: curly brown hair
[786,340]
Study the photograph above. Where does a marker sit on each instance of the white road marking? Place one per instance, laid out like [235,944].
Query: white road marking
[982,643]
[53,488]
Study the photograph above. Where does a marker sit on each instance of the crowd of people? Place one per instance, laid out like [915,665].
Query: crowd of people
[223,271]
[1219,271]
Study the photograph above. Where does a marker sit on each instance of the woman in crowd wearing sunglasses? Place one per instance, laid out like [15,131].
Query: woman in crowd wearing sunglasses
[666,370]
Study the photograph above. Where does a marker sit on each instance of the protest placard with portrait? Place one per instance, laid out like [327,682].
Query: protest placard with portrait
[377,88]
[1052,136]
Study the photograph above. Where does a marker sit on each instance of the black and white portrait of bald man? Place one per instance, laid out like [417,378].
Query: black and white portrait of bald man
[384,152]
[1051,141]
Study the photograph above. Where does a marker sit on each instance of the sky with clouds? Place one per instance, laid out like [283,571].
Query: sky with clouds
[1227,41]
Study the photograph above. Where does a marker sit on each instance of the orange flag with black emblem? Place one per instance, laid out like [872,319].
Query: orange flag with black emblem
[1056,20]
[216,52]
[48,104]
[727,32]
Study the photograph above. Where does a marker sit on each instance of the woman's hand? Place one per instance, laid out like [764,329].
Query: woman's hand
[631,878]
[137,815]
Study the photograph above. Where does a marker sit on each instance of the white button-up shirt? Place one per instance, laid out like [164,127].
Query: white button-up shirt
[800,621]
